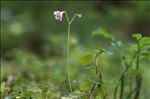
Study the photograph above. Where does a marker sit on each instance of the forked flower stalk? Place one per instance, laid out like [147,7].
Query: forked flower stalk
[59,16]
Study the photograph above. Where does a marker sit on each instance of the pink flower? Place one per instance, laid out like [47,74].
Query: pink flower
[58,15]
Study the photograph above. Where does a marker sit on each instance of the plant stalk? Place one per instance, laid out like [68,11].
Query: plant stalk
[122,87]
[123,74]
[138,77]
[68,58]
[98,75]
[68,49]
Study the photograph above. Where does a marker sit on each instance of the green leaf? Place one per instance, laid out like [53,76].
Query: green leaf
[133,47]
[145,40]
[86,59]
[99,50]
[84,86]
[137,36]
[102,91]
[3,87]
[134,72]
[104,33]
[145,54]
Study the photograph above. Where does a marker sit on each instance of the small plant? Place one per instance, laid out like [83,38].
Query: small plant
[59,16]
[4,90]
[98,85]
[98,80]
[132,68]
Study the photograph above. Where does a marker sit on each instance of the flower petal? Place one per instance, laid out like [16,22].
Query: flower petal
[55,12]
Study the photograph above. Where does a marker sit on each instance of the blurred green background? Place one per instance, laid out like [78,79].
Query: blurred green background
[33,43]
[30,25]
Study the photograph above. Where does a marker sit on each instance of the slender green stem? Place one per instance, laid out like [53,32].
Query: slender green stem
[138,77]
[139,84]
[68,48]
[122,87]
[115,92]
[123,74]
[97,64]
[130,84]
[138,57]
[74,17]
[68,58]
[98,76]
[93,87]
[130,94]
[68,53]
[67,17]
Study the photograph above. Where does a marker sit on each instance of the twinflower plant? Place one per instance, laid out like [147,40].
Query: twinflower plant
[59,17]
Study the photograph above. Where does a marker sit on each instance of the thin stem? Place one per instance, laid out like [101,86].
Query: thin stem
[67,17]
[123,74]
[68,52]
[138,77]
[98,76]
[130,83]
[139,83]
[130,94]
[138,57]
[97,68]
[68,48]
[68,58]
[115,92]
[93,87]
[73,18]
[97,64]
[122,87]
[136,89]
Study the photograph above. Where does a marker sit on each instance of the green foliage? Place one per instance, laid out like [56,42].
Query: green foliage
[100,50]
[86,59]
[4,89]
[104,33]
[134,72]
[145,42]
[137,36]
[84,86]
